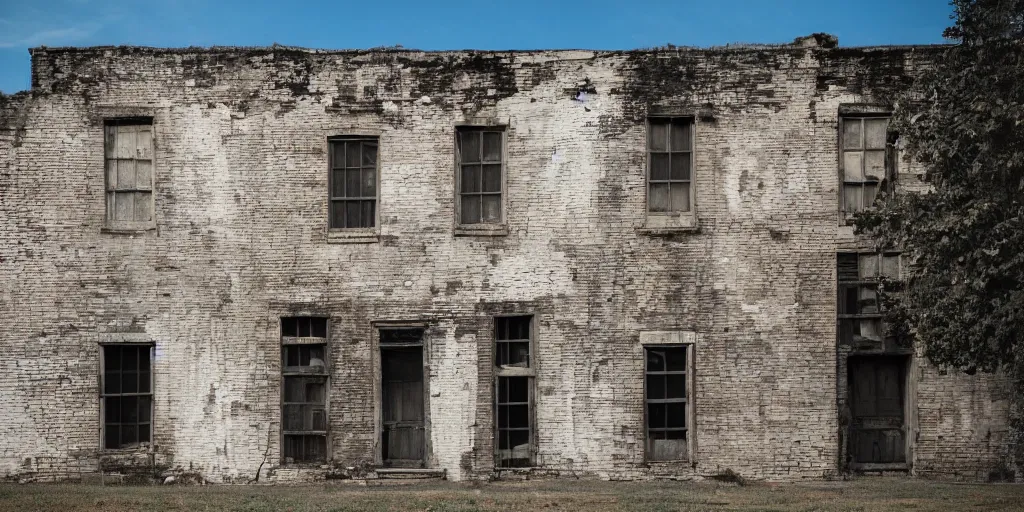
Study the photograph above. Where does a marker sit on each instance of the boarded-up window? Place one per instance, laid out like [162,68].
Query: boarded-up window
[129,170]
[669,164]
[305,378]
[864,160]
[860,316]
[666,401]
[127,396]
[480,154]
[353,182]
[514,390]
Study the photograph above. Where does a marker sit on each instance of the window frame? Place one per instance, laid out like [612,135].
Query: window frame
[481,228]
[889,173]
[150,445]
[860,284]
[110,224]
[354,234]
[659,222]
[689,401]
[530,373]
[297,373]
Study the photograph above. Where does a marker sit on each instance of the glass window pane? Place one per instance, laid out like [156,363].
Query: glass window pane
[353,217]
[112,433]
[656,415]
[680,197]
[369,213]
[681,166]
[874,133]
[658,135]
[655,387]
[470,178]
[470,209]
[129,434]
[129,358]
[491,208]
[492,178]
[676,386]
[112,409]
[517,389]
[518,416]
[659,166]
[289,327]
[144,433]
[851,133]
[675,359]
[492,146]
[659,199]
[129,409]
[353,181]
[129,382]
[125,174]
[352,154]
[369,188]
[676,415]
[681,135]
[853,166]
[111,358]
[144,381]
[655,361]
[369,154]
[469,150]
[337,220]
[874,165]
[145,409]
[339,155]
[293,391]
[338,183]
[112,383]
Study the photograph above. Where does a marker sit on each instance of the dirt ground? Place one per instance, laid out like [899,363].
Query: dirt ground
[866,494]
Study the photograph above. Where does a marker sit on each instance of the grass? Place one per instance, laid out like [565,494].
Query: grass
[865,494]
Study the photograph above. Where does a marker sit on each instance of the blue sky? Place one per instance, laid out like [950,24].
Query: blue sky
[449,24]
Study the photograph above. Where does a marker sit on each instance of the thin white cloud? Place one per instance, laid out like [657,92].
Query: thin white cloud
[52,37]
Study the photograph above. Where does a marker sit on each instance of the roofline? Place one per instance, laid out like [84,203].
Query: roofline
[400,49]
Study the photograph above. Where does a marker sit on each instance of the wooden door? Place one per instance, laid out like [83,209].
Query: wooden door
[878,426]
[402,406]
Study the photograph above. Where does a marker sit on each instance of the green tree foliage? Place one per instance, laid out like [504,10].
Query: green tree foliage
[963,297]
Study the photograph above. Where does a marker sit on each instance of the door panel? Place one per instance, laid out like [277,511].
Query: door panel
[402,406]
[878,426]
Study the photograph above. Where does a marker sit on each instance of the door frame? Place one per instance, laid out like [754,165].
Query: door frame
[909,363]
[378,409]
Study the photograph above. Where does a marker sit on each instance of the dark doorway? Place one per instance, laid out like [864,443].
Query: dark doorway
[402,398]
[877,387]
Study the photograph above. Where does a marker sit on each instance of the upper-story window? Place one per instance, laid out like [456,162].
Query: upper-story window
[128,150]
[670,165]
[480,156]
[863,161]
[353,182]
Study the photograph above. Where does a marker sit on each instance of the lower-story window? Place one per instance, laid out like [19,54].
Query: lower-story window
[304,401]
[667,405]
[515,371]
[127,396]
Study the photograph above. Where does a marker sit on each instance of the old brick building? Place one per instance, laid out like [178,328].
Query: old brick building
[285,263]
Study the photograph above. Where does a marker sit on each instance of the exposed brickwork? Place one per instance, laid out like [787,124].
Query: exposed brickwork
[241,181]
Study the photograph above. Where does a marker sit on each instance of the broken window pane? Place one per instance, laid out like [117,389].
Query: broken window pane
[853,197]
[513,419]
[665,396]
[304,391]
[874,165]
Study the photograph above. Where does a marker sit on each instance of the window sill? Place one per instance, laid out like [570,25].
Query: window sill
[656,224]
[481,230]
[352,236]
[128,228]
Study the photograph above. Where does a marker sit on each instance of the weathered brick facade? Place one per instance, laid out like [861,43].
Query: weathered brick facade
[241,240]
